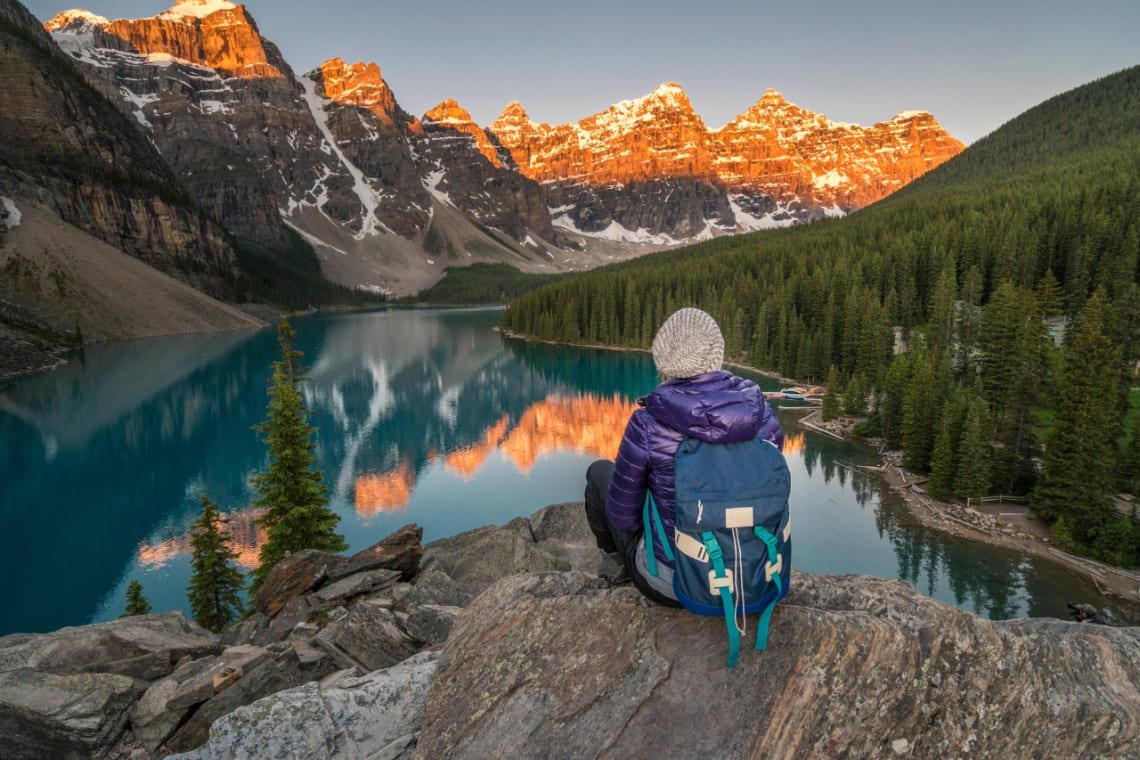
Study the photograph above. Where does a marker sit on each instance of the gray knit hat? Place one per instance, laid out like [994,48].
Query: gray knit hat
[688,344]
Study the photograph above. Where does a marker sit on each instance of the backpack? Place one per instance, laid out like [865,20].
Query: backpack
[733,533]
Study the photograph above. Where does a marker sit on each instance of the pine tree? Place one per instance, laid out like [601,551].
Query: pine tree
[136,602]
[292,490]
[918,422]
[940,484]
[855,396]
[974,458]
[215,583]
[1078,457]
[829,409]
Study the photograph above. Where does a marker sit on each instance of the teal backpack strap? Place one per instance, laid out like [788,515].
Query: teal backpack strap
[721,581]
[650,522]
[773,572]
[650,557]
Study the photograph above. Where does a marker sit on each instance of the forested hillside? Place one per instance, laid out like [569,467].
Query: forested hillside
[933,312]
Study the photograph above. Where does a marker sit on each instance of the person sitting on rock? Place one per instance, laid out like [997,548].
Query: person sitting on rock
[696,399]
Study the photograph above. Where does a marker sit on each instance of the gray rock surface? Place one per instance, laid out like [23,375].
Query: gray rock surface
[44,715]
[478,558]
[375,716]
[856,667]
[144,646]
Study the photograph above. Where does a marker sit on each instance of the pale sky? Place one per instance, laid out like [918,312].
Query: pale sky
[974,64]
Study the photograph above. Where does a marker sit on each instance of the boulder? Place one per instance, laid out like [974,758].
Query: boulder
[562,530]
[371,636]
[292,665]
[477,558]
[143,646]
[166,703]
[45,715]
[555,665]
[375,716]
[294,575]
[366,582]
[431,623]
[400,551]
[433,586]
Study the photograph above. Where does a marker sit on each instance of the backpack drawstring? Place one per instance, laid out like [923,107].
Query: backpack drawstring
[738,583]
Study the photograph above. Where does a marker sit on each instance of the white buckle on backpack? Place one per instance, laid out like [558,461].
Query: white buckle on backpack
[788,529]
[690,546]
[774,567]
[715,583]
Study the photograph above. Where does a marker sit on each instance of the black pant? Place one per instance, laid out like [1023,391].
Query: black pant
[610,539]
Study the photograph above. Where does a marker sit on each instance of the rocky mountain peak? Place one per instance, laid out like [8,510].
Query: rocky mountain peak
[197,8]
[450,116]
[449,113]
[358,84]
[76,20]
[212,33]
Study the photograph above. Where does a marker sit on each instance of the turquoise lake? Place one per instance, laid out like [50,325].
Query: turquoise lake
[427,417]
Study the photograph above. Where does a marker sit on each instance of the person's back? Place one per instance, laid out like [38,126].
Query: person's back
[697,400]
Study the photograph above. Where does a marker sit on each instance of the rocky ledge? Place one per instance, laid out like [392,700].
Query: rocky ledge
[501,642]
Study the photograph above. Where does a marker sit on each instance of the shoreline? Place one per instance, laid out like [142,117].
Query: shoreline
[1009,525]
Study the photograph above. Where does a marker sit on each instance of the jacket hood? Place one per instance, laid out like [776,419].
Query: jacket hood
[717,407]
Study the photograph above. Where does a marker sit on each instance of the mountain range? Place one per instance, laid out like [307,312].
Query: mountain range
[213,123]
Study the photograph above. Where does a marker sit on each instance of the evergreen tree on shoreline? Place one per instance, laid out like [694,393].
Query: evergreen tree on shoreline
[291,490]
[1079,454]
[215,583]
[136,602]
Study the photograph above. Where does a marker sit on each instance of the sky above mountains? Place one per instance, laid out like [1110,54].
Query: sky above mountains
[974,64]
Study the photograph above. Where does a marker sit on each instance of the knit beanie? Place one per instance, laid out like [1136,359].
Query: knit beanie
[688,344]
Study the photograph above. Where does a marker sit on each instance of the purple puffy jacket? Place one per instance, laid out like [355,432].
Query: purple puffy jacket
[718,407]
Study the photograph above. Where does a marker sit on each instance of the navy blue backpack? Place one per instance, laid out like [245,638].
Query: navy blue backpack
[733,533]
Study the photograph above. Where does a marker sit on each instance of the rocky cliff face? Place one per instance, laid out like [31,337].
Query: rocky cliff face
[803,160]
[76,155]
[464,169]
[775,163]
[330,153]
[382,195]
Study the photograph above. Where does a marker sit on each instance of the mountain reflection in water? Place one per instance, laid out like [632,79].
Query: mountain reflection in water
[427,417]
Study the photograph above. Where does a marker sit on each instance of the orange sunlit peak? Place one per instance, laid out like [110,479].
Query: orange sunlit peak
[385,492]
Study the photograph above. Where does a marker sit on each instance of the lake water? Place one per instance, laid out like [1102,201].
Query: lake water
[428,417]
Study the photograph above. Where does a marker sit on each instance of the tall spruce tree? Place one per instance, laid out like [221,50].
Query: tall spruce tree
[291,490]
[1079,453]
[1013,365]
[136,602]
[974,458]
[941,482]
[215,582]
[830,406]
[919,421]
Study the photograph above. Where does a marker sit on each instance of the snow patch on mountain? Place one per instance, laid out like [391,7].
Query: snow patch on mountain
[370,223]
[12,214]
[747,222]
[313,239]
[196,9]
[431,183]
[617,233]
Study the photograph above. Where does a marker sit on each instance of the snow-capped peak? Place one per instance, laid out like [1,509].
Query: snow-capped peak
[197,8]
[76,20]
